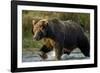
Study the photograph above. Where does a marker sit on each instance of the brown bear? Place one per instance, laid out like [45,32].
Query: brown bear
[63,35]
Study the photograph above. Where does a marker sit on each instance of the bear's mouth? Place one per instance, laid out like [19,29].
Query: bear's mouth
[36,38]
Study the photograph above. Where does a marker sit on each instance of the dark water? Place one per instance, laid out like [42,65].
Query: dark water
[29,56]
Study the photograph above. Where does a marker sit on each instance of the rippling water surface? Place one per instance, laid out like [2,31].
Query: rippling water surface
[30,56]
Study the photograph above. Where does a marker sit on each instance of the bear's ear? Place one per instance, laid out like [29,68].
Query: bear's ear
[33,22]
[44,22]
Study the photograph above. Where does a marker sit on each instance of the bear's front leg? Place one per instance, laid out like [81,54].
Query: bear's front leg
[58,52]
[44,50]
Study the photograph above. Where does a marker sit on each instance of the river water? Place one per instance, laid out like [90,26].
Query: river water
[30,56]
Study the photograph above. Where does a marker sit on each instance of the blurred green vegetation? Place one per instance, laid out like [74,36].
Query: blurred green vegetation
[27,42]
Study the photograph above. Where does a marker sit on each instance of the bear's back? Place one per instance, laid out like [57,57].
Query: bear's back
[72,32]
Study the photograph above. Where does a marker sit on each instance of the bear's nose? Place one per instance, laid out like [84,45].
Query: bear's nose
[36,38]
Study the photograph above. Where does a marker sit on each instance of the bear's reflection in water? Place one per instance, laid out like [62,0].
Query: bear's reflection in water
[29,56]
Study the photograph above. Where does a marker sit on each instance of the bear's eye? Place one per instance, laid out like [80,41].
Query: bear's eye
[40,26]
[43,27]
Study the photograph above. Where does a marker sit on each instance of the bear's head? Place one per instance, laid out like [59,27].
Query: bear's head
[39,29]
